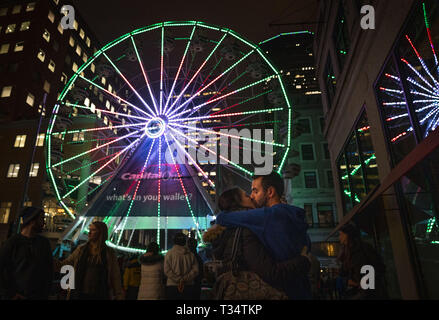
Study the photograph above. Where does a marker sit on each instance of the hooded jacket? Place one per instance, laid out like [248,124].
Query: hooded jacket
[282,229]
[152,286]
[180,265]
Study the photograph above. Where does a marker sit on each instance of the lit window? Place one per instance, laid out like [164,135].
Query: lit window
[25,26]
[19,46]
[16,9]
[75,25]
[60,28]
[104,81]
[41,55]
[78,50]
[30,7]
[84,57]
[63,78]
[87,102]
[30,99]
[46,86]
[3,12]
[34,170]
[105,120]
[51,16]
[72,42]
[92,68]
[13,171]
[81,34]
[56,1]
[20,141]
[4,48]
[6,92]
[5,210]
[75,67]
[87,41]
[93,108]
[40,140]
[27,204]
[110,88]
[107,104]
[78,136]
[46,35]
[10,28]
[51,66]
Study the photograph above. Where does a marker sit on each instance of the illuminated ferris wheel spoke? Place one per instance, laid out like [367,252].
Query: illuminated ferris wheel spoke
[141,124]
[101,168]
[131,86]
[417,84]
[96,148]
[116,96]
[417,73]
[161,69]
[212,82]
[224,96]
[135,192]
[171,92]
[184,189]
[193,161]
[105,111]
[145,76]
[211,151]
[159,194]
[195,75]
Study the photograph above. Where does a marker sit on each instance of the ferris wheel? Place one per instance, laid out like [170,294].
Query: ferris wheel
[146,93]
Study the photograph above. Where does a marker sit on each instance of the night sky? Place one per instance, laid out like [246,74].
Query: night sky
[112,18]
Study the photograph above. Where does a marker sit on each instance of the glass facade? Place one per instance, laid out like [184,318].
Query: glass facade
[358,172]
[408,87]
[330,81]
[341,36]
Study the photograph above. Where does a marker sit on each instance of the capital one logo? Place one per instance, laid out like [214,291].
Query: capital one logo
[368,18]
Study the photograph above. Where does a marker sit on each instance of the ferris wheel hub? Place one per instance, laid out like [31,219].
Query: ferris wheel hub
[156,127]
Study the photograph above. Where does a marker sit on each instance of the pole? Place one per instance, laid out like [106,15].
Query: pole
[16,228]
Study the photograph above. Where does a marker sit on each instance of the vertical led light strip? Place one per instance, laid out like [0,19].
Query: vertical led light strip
[135,192]
[161,69]
[184,189]
[427,24]
[145,76]
[179,69]
[159,191]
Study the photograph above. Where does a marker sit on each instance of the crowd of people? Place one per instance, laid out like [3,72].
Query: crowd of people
[258,248]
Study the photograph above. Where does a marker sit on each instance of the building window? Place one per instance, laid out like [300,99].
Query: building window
[40,140]
[13,170]
[78,50]
[10,28]
[30,7]
[30,99]
[92,67]
[51,16]
[75,25]
[358,172]
[6,92]
[41,55]
[64,78]
[325,214]
[330,179]
[84,57]
[46,86]
[82,34]
[20,141]
[25,26]
[3,12]
[4,48]
[330,82]
[341,36]
[326,154]
[60,28]
[305,125]
[72,42]
[87,42]
[322,124]
[16,9]
[51,66]
[75,67]
[307,151]
[78,137]
[308,213]
[310,179]
[34,169]
[56,1]
[5,210]
[19,46]
[46,35]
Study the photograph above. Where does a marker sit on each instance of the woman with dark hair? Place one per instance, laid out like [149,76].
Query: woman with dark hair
[97,274]
[354,255]
[152,281]
[251,254]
